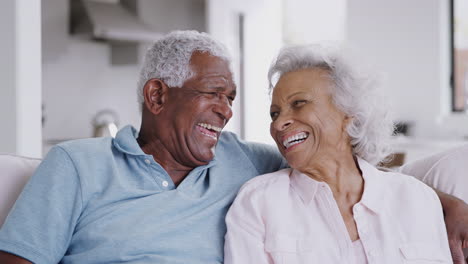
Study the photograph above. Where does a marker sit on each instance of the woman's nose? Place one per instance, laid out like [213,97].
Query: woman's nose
[282,123]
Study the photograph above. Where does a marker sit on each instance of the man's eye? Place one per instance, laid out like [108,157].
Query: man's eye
[298,102]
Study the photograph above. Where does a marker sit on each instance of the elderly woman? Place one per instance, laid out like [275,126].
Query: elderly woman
[333,205]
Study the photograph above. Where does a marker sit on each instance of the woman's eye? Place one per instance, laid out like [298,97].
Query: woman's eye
[298,102]
[274,115]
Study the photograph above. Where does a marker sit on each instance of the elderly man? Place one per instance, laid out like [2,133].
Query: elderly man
[157,196]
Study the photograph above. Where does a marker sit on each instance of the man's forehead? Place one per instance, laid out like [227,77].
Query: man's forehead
[208,67]
[204,61]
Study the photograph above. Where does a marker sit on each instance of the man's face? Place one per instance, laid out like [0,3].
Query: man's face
[199,110]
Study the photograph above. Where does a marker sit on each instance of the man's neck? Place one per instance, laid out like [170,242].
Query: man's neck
[155,148]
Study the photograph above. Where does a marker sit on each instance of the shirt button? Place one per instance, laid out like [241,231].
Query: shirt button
[165,183]
[147,161]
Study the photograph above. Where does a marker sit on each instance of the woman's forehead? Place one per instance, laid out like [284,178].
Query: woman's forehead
[315,80]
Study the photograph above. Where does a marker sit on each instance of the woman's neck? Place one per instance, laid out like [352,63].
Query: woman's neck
[340,171]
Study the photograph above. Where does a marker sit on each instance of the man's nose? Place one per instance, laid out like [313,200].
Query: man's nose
[223,107]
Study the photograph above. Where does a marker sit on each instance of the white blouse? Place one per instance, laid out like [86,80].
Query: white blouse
[287,218]
[359,253]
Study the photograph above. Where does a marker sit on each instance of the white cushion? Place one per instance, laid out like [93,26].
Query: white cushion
[15,171]
[446,171]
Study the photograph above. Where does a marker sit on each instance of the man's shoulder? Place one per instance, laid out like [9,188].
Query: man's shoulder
[265,158]
[84,152]
[230,141]
[87,145]
[228,137]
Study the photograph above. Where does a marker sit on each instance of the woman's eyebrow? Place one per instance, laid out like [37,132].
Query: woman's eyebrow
[296,93]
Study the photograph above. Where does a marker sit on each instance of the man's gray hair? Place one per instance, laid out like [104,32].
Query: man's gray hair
[355,93]
[168,59]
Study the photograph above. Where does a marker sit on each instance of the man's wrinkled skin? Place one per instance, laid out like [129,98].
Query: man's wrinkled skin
[456,219]
[7,258]
[170,130]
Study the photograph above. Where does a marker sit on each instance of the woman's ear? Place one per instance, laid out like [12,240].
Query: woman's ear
[155,94]
[346,122]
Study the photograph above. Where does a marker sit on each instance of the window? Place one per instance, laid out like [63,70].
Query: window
[459,29]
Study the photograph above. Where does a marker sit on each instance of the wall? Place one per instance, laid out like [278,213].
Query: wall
[310,21]
[79,79]
[408,41]
[259,41]
[7,77]
[20,77]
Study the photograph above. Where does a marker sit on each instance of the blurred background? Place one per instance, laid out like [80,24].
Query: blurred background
[69,68]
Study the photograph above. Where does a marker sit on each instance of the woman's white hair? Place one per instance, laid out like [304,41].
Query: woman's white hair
[168,59]
[355,93]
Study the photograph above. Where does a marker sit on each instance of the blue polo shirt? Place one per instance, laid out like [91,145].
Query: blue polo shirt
[104,200]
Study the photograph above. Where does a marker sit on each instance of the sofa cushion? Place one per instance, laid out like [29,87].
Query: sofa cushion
[446,171]
[14,173]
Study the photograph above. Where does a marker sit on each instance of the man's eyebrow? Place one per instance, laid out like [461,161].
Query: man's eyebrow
[222,89]
[208,77]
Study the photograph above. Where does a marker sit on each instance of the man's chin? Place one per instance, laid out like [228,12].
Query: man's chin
[207,156]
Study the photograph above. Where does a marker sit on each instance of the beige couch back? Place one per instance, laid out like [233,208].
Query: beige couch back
[15,171]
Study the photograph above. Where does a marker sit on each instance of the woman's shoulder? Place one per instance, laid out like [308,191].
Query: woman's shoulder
[403,181]
[407,189]
[267,182]
[260,194]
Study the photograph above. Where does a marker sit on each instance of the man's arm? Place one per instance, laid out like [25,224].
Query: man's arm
[456,221]
[40,225]
[446,172]
[7,258]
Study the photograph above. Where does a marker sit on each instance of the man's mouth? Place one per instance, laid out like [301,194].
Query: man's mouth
[295,139]
[209,130]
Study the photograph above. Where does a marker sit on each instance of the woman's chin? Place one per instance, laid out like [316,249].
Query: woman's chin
[295,163]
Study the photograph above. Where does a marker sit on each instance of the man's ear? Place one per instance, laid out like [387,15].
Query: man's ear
[155,94]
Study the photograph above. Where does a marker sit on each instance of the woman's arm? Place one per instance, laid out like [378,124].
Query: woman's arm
[244,241]
[243,247]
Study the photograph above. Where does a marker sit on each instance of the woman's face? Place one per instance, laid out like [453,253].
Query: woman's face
[306,124]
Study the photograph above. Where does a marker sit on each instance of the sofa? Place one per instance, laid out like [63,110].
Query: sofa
[14,173]
[447,171]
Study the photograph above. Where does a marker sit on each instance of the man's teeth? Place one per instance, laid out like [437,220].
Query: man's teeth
[210,127]
[295,139]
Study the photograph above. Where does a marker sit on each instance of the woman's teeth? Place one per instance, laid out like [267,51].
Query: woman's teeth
[295,139]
